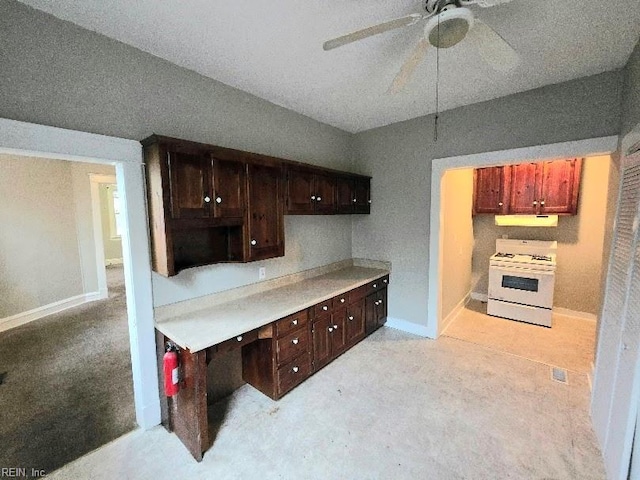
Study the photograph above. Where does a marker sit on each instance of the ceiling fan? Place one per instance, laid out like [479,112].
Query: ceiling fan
[448,22]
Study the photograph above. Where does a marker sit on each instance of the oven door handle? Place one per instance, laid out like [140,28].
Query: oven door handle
[522,271]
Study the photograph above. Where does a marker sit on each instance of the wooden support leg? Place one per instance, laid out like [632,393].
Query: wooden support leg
[187,411]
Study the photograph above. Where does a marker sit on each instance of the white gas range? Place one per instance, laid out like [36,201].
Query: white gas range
[521,280]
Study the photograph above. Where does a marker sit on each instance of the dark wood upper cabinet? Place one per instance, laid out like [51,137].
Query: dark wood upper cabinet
[491,189]
[190,186]
[353,194]
[310,191]
[266,225]
[542,188]
[559,189]
[210,204]
[524,188]
[228,196]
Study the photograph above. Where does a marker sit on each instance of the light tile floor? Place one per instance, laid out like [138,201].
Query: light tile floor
[569,343]
[394,407]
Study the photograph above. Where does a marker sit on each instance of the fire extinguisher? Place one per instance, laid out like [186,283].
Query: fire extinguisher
[171,370]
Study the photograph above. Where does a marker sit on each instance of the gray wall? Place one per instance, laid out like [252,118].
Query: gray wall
[39,257]
[70,77]
[399,159]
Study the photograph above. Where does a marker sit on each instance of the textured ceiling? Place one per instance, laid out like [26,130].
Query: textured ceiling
[274,49]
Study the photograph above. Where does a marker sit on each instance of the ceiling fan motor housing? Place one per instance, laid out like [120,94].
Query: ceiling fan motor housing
[449,27]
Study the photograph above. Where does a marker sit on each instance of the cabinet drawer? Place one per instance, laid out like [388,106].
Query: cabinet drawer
[341,300]
[292,345]
[322,308]
[237,342]
[293,373]
[292,322]
[378,284]
[358,294]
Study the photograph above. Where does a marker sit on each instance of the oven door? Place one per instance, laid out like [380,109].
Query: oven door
[522,285]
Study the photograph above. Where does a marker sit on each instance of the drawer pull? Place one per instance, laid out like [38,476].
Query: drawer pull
[239,338]
[295,369]
[350,317]
[325,308]
[342,300]
[294,322]
[295,341]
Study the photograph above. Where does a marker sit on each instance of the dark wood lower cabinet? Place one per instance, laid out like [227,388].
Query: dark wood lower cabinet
[292,348]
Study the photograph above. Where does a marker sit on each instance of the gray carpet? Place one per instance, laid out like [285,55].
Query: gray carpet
[67,386]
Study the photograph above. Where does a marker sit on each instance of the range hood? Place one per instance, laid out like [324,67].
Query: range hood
[527,220]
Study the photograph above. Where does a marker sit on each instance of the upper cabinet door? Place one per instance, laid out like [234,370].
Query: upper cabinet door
[524,189]
[266,227]
[345,195]
[325,193]
[300,192]
[560,187]
[228,189]
[189,185]
[362,195]
[491,188]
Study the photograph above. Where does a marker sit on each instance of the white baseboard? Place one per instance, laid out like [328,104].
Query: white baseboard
[575,313]
[454,313]
[55,307]
[408,327]
[113,261]
[481,297]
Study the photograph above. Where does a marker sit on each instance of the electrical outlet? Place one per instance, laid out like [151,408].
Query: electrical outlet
[262,273]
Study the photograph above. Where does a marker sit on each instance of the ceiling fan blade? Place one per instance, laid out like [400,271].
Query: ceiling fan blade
[409,66]
[493,48]
[374,30]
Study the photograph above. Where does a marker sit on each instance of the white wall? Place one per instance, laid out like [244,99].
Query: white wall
[38,234]
[399,159]
[457,238]
[73,78]
[110,241]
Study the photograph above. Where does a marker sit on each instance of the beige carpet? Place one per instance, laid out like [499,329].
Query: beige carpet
[569,343]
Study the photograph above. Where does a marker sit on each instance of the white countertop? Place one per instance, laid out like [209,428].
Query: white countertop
[210,325]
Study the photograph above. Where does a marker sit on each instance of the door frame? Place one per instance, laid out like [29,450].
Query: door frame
[40,141]
[579,148]
[95,180]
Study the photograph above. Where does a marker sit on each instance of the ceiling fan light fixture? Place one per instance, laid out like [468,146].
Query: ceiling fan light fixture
[449,27]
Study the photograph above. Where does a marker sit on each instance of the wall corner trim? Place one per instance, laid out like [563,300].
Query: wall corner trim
[408,327]
[23,318]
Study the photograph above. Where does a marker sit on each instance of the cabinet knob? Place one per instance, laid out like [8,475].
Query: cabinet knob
[207,199]
[313,197]
[319,198]
[375,285]
[500,204]
[295,341]
[295,369]
[325,308]
[330,329]
[541,202]
[369,201]
[239,338]
[342,300]
[254,242]
[380,302]
[354,200]
[350,317]
[535,203]
[294,322]
[385,281]
[218,199]
[335,327]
